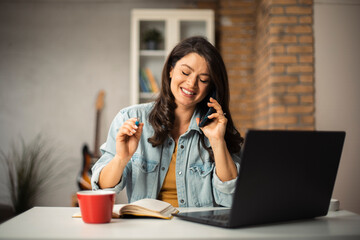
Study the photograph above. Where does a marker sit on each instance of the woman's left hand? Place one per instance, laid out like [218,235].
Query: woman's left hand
[216,129]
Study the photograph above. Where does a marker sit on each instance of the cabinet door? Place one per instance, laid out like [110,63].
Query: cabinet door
[151,58]
[147,59]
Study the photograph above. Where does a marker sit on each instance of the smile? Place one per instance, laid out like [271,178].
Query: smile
[187,92]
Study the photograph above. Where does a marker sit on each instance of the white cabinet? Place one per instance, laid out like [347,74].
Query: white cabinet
[173,25]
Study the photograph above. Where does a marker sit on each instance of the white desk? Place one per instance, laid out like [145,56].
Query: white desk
[57,223]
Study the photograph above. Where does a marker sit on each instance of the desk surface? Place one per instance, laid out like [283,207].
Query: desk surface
[57,223]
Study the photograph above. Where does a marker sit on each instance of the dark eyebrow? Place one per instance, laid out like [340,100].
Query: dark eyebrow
[185,65]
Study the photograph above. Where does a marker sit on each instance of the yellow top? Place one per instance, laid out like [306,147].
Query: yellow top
[168,191]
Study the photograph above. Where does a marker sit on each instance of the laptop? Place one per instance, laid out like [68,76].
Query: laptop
[284,175]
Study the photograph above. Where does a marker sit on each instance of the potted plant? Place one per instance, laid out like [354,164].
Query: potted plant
[152,38]
[32,170]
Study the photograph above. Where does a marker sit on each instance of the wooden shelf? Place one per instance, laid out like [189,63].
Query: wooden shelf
[174,25]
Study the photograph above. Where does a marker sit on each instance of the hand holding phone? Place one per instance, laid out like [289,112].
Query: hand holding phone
[205,120]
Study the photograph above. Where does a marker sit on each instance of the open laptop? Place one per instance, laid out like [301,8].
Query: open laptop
[284,175]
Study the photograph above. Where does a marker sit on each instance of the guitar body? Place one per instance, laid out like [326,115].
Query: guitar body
[84,177]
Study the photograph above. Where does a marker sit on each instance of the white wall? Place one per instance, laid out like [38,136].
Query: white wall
[337,84]
[55,57]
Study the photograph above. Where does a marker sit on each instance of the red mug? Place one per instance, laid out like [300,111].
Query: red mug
[96,206]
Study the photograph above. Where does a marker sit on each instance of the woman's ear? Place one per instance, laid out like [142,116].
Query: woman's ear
[171,72]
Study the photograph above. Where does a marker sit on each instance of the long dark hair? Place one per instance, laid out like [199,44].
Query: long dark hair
[162,116]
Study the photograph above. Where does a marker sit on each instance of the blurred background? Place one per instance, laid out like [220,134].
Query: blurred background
[292,64]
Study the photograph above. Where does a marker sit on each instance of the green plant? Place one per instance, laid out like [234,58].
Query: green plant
[32,170]
[152,35]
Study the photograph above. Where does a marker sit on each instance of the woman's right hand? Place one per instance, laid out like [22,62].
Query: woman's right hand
[127,140]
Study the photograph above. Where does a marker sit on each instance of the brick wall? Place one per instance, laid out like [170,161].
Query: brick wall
[284,70]
[237,31]
[267,46]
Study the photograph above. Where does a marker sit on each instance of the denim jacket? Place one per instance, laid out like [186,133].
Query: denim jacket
[196,182]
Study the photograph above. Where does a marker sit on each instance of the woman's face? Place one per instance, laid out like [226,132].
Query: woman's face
[189,80]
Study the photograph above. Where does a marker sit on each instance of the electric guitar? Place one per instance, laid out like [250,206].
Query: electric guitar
[89,158]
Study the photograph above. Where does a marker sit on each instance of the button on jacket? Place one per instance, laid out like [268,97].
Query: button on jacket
[196,181]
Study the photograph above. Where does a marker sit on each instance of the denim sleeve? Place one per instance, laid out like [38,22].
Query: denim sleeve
[224,191]
[108,151]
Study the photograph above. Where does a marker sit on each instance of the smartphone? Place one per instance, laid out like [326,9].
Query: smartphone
[205,120]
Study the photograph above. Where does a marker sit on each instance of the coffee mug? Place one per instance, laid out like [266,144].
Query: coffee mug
[96,206]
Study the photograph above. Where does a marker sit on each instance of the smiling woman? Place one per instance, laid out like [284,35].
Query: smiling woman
[191,166]
[189,81]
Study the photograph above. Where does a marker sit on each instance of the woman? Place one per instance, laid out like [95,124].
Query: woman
[168,156]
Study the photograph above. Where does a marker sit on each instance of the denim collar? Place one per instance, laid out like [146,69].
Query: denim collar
[193,126]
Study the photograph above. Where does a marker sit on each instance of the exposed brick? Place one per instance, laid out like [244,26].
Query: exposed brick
[300,89]
[207,5]
[242,52]
[299,29]
[306,58]
[306,19]
[298,10]
[306,39]
[307,78]
[282,39]
[276,10]
[267,46]
[305,2]
[300,109]
[307,99]
[240,19]
[287,119]
[237,11]
[283,20]
[277,127]
[276,29]
[308,119]
[244,117]
[283,79]
[300,69]
[277,109]
[236,4]
[301,127]
[277,49]
[299,49]
[235,45]
[284,2]
[275,69]
[278,89]
[283,59]
[261,123]
[283,99]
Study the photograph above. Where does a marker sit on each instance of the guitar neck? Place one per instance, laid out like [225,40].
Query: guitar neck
[96,143]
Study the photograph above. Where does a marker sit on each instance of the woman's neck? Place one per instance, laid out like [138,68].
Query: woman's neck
[182,122]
